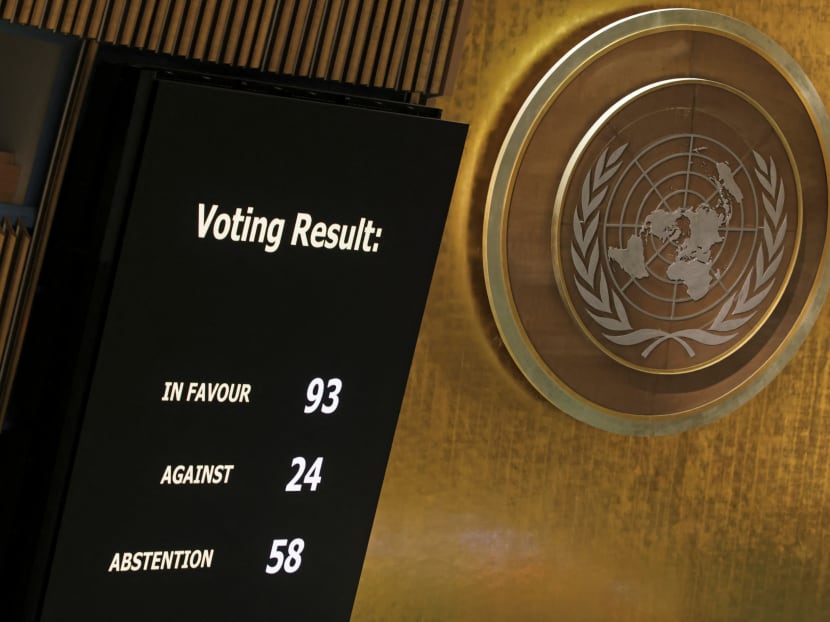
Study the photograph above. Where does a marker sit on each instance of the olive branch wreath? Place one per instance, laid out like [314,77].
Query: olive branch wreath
[605,306]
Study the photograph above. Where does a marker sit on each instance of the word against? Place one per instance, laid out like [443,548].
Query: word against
[196,474]
[161,560]
[248,228]
[206,392]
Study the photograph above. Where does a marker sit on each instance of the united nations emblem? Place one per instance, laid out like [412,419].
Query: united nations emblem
[669,247]
[656,231]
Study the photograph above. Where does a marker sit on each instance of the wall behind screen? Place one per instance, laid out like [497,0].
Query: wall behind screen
[497,506]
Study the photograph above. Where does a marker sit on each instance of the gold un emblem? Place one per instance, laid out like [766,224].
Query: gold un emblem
[656,226]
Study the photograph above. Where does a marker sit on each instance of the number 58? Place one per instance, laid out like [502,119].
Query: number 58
[278,560]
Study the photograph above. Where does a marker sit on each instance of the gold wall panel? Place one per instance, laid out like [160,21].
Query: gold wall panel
[497,506]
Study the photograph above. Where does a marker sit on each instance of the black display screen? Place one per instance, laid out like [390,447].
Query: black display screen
[269,289]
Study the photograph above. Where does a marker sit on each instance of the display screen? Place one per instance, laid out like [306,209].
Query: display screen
[270,284]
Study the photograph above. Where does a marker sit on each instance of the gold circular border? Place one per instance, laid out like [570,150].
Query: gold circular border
[501,187]
[567,179]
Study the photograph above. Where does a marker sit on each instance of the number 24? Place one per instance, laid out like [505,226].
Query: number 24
[312,475]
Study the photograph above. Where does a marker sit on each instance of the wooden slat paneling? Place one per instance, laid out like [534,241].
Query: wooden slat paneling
[403,45]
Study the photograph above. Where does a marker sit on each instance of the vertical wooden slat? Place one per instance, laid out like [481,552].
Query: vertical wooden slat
[430,65]
[72,17]
[402,33]
[148,22]
[8,9]
[267,52]
[279,43]
[358,41]
[169,25]
[192,27]
[217,31]
[18,7]
[390,37]
[119,23]
[115,20]
[409,47]
[175,28]
[186,34]
[103,21]
[325,39]
[344,38]
[162,27]
[372,43]
[11,10]
[297,37]
[354,33]
[182,36]
[441,81]
[53,14]
[260,52]
[326,59]
[39,11]
[237,22]
[202,35]
[321,39]
[25,8]
[34,14]
[223,32]
[313,36]
[427,47]
[141,23]
[248,38]
[385,43]
[157,26]
[67,16]
[130,22]
[109,30]
[80,25]
[43,11]
[414,45]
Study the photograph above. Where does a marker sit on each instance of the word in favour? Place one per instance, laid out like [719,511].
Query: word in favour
[161,560]
[232,392]
[197,474]
[306,232]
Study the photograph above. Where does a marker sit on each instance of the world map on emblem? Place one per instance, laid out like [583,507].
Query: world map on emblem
[682,221]
[689,233]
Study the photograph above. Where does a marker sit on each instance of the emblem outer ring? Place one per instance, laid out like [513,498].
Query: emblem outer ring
[501,189]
